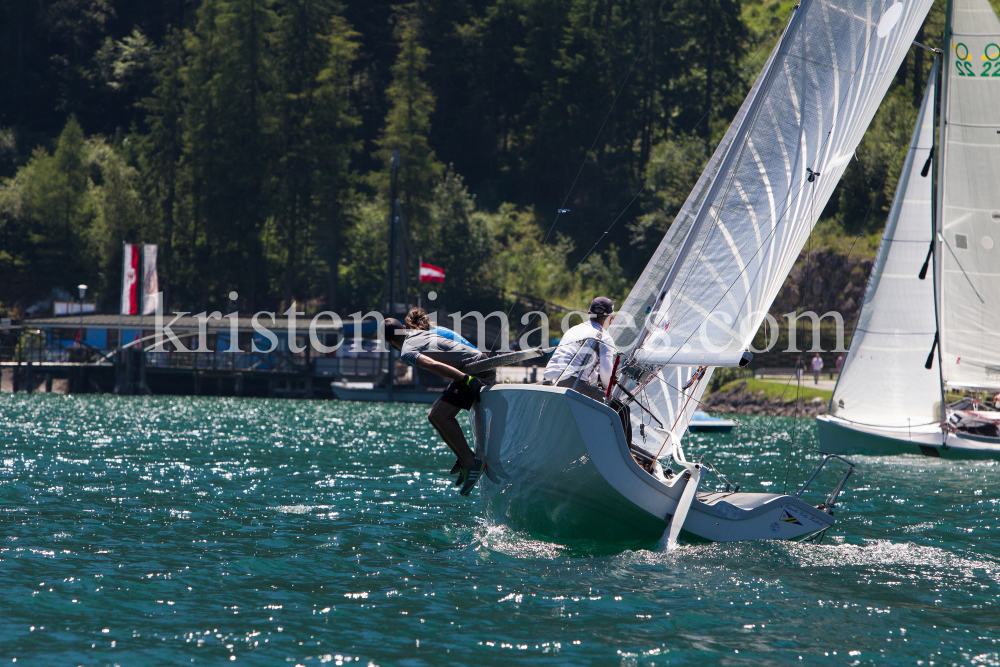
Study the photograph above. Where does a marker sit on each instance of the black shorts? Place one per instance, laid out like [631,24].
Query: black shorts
[459,394]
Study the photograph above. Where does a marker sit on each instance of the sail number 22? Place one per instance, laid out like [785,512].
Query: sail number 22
[991,55]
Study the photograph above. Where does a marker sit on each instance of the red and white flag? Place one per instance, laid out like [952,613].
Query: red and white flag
[150,281]
[430,273]
[130,279]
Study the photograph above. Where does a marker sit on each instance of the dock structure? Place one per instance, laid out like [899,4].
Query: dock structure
[108,354]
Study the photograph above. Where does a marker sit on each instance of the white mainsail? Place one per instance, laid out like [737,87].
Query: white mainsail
[884,381]
[665,394]
[712,279]
[968,253]
[817,97]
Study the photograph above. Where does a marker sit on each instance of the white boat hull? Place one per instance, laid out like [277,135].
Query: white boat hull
[720,426]
[838,436]
[353,392]
[565,471]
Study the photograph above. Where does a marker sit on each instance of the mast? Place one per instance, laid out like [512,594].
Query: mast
[968,203]
[391,263]
[937,159]
[938,203]
[738,234]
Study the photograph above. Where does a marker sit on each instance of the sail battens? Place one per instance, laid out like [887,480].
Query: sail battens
[897,332]
[968,250]
[988,386]
[883,381]
[840,70]
[830,73]
[710,283]
[896,349]
[899,276]
[688,358]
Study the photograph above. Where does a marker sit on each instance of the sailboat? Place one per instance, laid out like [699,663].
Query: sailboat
[563,464]
[888,399]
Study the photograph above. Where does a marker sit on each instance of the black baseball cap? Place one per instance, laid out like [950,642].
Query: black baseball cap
[394,328]
[602,305]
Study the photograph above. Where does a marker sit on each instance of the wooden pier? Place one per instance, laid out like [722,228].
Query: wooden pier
[39,355]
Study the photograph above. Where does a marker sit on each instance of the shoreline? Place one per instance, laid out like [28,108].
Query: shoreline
[737,398]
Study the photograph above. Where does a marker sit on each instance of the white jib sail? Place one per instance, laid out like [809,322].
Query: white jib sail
[969,182]
[815,100]
[884,382]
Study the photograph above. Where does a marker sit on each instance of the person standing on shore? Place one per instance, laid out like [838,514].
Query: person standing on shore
[817,366]
[445,357]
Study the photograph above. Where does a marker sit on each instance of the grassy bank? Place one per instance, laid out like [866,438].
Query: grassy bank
[776,390]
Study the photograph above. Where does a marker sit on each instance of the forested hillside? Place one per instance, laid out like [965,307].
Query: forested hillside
[251,140]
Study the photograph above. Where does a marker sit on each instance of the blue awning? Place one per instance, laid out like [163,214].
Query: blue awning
[367,326]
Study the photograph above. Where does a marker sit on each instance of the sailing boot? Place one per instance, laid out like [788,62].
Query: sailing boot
[472,476]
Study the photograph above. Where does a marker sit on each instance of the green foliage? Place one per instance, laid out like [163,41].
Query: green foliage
[407,126]
[120,214]
[227,77]
[674,168]
[47,209]
[723,376]
[251,139]
[526,266]
[362,273]
[62,217]
[471,279]
[313,52]
[779,389]
[159,154]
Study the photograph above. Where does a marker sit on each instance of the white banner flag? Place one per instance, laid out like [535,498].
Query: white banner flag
[150,281]
[130,275]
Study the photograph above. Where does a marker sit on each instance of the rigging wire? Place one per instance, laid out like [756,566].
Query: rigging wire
[774,229]
[787,204]
[767,431]
[583,164]
[840,273]
[739,410]
[600,238]
[798,386]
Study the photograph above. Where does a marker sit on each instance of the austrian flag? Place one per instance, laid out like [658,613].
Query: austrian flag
[430,273]
[130,279]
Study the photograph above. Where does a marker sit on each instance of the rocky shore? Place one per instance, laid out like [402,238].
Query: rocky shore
[735,400]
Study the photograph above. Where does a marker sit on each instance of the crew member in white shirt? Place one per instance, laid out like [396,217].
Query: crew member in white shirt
[596,361]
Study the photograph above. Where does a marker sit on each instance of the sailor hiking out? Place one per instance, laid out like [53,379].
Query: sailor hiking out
[417,318]
[446,357]
[585,353]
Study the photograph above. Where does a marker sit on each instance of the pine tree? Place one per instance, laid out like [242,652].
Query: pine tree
[59,210]
[407,126]
[336,113]
[227,82]
[160,152]
[314,51]
[119,215]
[464,243]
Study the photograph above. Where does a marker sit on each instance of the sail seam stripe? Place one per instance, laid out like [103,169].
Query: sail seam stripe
[832,68]
[643,188]
[792,197]
[583,164]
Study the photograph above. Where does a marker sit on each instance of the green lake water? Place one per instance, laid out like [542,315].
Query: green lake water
[164,530]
